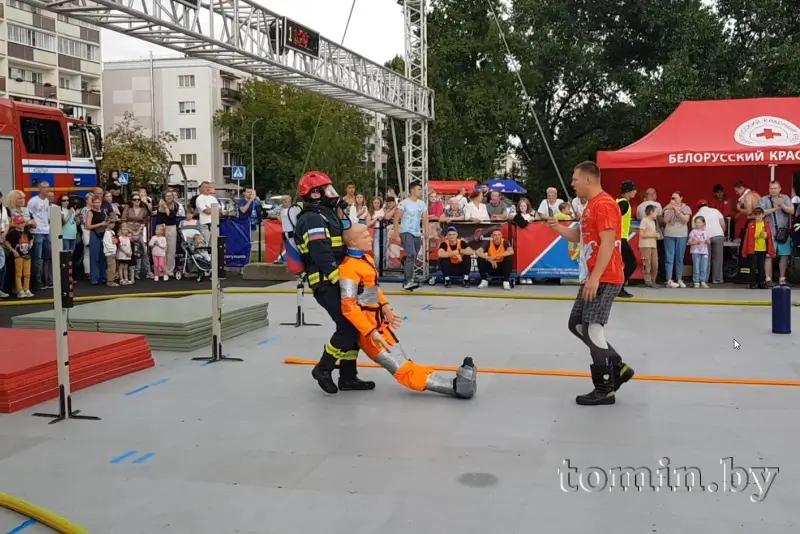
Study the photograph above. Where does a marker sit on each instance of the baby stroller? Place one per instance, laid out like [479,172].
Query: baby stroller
[196,254]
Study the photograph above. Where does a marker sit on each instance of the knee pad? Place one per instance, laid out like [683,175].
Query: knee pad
[576,327]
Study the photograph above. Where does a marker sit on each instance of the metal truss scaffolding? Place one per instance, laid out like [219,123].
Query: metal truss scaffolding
[244,36]
[416,148]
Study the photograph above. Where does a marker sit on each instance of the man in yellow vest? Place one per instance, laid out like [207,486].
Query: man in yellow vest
[627,194]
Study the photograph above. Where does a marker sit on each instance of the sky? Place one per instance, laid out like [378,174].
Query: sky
[375,32]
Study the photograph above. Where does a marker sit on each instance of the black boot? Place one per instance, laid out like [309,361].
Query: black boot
[322,373]
[348,377]
[603,393]
[622,371]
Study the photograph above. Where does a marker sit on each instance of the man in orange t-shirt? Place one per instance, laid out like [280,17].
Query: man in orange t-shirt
[602,275]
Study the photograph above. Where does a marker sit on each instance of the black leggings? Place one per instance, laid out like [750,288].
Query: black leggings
[450,269]
[628,258]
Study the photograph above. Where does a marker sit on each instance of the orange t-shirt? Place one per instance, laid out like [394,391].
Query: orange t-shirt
[601,213]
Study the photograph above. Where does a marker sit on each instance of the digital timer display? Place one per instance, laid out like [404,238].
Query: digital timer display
[301,39]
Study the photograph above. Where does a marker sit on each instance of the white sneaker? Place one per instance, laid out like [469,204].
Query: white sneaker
[166,277]
[703,285]
[483,285]
[681,284]
[506,286]
[155,279]
[22,295]
[670,284]
[28,294]
[3,295]
[697,286]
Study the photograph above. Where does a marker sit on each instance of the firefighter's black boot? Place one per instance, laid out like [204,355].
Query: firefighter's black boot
[348,377]
[322,373]
[622,371]
[603,392]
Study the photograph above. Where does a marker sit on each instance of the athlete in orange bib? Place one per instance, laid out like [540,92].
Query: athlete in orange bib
[366,307]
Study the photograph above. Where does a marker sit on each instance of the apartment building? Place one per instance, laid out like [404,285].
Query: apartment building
[50,60]
[179,95]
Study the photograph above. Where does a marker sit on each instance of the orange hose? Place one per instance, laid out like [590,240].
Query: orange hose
[579,374]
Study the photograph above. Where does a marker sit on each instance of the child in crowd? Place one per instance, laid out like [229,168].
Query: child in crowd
[648,246]
[110,243]
[125,256]
[158,251]
[698,240]
[199,245]
[19,241]
[564,212]
[758,244]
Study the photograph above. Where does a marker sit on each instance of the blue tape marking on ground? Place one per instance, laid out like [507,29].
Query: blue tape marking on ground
[264,342]
[405,317]
[144,458]
[426,307]
[159,382]
[23,526]
[138,390]
[118,459]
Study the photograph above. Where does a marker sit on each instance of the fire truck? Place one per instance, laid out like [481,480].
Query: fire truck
[40,143]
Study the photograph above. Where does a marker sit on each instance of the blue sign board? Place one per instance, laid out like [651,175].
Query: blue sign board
[123,178]
[238,173]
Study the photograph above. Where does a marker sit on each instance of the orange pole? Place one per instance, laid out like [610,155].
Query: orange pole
[579,374]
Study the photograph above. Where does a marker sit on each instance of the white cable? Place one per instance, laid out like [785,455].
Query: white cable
[324,102]
[530,103]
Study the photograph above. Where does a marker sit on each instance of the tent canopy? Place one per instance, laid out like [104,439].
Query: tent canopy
[504,185]
[717,133]
[451,187]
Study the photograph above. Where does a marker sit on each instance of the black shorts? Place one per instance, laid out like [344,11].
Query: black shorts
[598,310]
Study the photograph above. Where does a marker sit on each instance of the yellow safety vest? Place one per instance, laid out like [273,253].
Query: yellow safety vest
[626,219]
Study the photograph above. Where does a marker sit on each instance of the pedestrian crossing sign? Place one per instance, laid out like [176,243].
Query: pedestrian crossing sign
[123,178]
[238,173]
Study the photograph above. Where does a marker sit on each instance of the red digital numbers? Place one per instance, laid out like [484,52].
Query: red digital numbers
[300,38]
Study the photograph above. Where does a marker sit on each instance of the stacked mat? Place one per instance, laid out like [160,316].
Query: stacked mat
[30,376]
[172,324]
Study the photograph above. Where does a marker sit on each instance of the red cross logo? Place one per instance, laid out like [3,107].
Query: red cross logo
[769,134]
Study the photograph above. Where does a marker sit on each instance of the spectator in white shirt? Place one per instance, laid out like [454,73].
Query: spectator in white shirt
[578,205]
[525,210]
[461,197]
[549,206]
[475,211]
[715,228]
[204,201]
[39,207]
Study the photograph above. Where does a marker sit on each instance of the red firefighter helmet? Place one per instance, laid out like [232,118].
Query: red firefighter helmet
[312,180]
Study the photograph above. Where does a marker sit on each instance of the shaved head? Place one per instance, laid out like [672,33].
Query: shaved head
[358,237]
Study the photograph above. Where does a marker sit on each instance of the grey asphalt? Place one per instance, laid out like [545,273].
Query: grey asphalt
[256,447]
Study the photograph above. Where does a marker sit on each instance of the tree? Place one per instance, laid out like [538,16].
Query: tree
[298,131]
[476,96]
[128,148]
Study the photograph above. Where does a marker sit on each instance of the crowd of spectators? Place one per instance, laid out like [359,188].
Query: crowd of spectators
[116,240]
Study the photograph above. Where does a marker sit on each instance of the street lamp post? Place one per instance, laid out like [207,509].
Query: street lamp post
[253,154]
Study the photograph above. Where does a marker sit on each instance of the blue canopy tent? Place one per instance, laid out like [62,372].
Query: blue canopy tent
[508,187]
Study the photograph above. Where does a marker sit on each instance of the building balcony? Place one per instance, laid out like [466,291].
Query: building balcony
[46,90]
[2,84]
[231,94]
[91,98]
[2,11]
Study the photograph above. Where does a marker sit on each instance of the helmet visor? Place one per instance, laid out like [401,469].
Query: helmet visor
[330,192]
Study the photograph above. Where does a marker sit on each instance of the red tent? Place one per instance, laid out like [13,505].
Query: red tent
[451,187]
[708,142]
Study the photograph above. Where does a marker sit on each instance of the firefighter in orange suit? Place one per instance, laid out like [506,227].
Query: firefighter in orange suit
[366,307]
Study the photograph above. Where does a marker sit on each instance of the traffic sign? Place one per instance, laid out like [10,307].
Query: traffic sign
[238,173]
[123,178]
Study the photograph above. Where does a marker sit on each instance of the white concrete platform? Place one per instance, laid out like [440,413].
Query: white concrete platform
[257,447]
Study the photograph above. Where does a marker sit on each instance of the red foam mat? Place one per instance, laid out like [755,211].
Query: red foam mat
[29,371]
